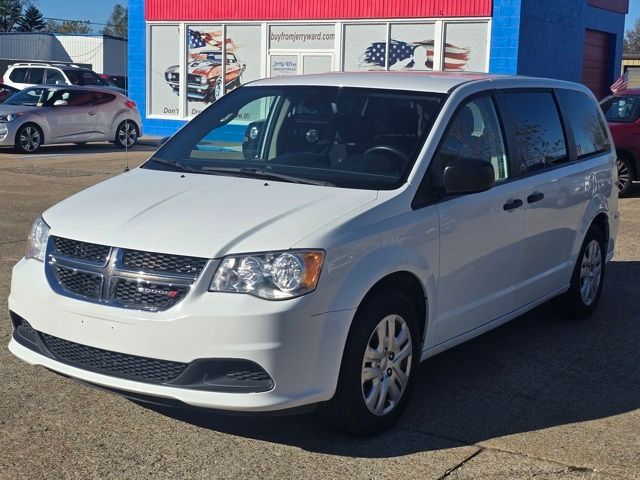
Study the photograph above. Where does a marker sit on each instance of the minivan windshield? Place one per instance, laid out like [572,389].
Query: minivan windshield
[347,137]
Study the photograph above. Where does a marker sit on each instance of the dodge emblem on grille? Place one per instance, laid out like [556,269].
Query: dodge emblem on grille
[156,291]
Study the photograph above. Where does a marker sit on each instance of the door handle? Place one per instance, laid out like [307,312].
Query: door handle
[535,197]
[92,112]
[512,204]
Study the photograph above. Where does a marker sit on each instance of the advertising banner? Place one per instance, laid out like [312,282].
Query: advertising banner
[164,70]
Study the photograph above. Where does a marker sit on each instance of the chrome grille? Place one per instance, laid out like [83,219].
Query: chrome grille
[90,252]
[81,283]
[161,263]
[132,294]
[120,277]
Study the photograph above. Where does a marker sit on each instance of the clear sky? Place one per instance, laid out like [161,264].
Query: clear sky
[634,13]
[93,10]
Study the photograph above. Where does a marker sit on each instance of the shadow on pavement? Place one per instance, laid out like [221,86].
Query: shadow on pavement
[538,371]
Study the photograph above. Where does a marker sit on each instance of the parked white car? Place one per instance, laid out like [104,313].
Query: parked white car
[365,223]
[39,116]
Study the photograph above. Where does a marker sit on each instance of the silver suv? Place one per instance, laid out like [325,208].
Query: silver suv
[23,75]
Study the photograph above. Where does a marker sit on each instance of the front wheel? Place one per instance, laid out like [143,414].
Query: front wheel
[582,298]
[217,89]
[378,366]
[126,135]
[28,139]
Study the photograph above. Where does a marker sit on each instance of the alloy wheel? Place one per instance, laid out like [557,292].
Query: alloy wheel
[127,134]
[386,365]
[30,139]
[624,176]
[591,272]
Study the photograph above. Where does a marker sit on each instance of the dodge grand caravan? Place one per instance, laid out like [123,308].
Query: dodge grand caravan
[308,241]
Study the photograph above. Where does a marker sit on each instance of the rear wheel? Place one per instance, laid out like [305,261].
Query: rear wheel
[29,139]
[626,174]
[126,135]
[582,298]
[378,366]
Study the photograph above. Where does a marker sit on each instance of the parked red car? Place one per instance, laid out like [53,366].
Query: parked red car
[623,115]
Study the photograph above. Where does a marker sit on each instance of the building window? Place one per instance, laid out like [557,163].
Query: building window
[364,47]
[465,47]
[412,46]
[164,70]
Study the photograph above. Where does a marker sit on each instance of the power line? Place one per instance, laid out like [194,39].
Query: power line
[70,20]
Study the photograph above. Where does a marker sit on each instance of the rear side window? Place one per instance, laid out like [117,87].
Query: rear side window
[588,127]
[55,77]
[36,76]
[18,75]
[538,130]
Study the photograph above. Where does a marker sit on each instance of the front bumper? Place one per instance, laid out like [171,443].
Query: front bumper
[299,350]
[8,137]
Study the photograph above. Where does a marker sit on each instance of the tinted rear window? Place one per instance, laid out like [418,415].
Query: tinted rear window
[538,130]
[588,127]
[18,75]
[36,76]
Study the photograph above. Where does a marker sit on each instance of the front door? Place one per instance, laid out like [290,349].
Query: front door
[74,120]
[480,233]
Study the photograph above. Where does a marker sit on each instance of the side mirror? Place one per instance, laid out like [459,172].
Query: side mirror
[468,175]
[60,103]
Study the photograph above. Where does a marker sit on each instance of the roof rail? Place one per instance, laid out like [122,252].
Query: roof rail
[44,64]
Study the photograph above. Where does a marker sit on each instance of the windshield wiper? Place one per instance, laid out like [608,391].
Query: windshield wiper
[178,167]
[252,172]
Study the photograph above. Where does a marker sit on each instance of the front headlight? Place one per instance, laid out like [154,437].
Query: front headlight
[203,80]
[272,276]
[37,240]
[10,117]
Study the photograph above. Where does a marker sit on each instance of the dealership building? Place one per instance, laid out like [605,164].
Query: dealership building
[184,54]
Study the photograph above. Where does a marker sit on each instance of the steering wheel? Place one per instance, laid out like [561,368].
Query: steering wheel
[388,149]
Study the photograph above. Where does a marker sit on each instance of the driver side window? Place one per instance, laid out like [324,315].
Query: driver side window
[475,133]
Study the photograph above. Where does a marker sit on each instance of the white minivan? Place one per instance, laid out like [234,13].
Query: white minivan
[308,241]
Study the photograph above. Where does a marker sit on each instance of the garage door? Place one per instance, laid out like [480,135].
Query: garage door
[597,60]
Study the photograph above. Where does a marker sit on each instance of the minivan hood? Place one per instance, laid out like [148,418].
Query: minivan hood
[199,215]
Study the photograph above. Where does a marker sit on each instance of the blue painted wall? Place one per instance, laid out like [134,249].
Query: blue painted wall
[505,36]
[552,37]
[138,74]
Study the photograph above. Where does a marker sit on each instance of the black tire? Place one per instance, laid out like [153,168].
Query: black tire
[124,140]
[347,410]
[572,304]
[29,138]
[626,174]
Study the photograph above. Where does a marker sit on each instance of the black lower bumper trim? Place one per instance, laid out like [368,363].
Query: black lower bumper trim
[207,374]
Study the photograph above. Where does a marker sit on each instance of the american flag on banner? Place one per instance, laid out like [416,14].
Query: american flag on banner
[621,84]
[207,39]
[405,55]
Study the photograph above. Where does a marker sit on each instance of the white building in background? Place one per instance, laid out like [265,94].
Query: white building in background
[104,53]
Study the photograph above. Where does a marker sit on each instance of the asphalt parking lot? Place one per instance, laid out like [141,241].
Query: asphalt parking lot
[537,398]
